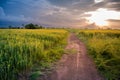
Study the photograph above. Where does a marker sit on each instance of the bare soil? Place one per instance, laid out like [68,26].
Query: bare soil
[74,66]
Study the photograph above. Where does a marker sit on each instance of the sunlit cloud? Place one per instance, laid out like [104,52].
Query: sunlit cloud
[98,1]
[101,16]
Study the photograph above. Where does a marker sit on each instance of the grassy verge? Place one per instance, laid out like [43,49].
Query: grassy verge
[104,47]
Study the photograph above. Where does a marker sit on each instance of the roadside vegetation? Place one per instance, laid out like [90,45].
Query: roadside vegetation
[104,47]
[29,52]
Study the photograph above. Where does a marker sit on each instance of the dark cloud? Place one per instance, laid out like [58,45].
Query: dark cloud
[2,2]
[114,20]
[114,23]
[100,4]
[52,12]
[109,4]
[113,0]
[113,6]
[86,5]
[62,2]
[12,23]
[80,5]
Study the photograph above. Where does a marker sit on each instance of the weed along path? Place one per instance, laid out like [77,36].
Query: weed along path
[76,65]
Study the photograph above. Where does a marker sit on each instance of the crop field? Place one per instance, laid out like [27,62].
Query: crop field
[25,50]
[104,48]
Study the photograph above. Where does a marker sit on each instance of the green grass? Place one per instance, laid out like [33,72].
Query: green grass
[104,47]
[23,51]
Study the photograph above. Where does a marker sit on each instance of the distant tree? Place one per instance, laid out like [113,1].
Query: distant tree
[41,27]
[10,27]
[36,25]
[30,26]
[33,26]
[18,27]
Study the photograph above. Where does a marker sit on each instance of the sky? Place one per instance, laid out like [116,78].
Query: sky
[61,13]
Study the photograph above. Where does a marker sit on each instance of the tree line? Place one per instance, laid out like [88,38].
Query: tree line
[27,26]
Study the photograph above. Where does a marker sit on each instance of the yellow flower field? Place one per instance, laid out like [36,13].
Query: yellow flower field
[29,50]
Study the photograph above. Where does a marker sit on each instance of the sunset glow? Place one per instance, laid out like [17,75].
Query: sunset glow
[100,16]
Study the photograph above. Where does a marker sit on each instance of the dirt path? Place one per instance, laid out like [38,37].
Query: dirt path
[78,66]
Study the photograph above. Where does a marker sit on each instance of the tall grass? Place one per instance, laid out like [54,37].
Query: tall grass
[104,47]
[24,50]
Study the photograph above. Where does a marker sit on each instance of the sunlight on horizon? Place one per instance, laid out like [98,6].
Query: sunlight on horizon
[101,16]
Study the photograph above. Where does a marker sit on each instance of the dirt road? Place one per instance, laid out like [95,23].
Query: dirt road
[77,66]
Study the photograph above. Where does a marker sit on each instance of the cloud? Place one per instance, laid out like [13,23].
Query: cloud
[113,6]
[109,4]
[98,1]
[4,17]
[41,12]
[2,13]
[114,23]
[73,4]
[53,12]
[114,20]
[16,18]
